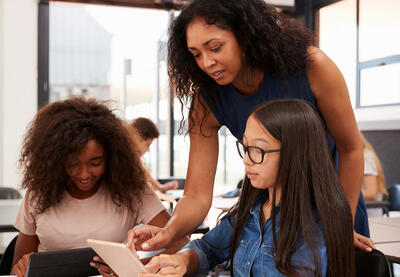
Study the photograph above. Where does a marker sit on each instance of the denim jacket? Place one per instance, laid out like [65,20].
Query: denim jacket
[254,256]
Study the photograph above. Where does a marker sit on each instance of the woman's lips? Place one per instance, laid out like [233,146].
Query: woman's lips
[217,75]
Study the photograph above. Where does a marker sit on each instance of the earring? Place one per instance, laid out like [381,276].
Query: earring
[244,61]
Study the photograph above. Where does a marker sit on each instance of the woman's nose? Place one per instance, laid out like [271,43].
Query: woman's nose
[208,61]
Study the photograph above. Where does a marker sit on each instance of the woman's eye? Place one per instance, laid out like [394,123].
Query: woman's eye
[196,56]
[96,164]
[215,49]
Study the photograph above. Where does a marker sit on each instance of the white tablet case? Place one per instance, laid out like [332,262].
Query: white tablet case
[119,257]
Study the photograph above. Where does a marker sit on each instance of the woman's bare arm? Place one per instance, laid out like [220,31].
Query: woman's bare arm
[333,101]
[196,201]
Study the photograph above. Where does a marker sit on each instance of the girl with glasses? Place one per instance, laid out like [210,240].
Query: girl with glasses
[225,58]
[292,218]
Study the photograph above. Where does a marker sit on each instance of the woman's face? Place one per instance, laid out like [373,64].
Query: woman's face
[216,51]
[263,175]
[86,167]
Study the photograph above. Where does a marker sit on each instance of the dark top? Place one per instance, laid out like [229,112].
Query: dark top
[232,110]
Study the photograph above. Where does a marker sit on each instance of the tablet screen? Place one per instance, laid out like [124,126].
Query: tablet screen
[119,257]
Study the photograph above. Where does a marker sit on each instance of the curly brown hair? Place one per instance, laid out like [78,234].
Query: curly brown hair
[271,42]
[63,128]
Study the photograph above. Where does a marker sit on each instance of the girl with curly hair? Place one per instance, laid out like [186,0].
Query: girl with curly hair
[292,218]
[83,180]
[227,56]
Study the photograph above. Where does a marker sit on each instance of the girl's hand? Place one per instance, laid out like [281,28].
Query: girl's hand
[363,243]
[165,265]
[102,267]
[148,238]
[20,267]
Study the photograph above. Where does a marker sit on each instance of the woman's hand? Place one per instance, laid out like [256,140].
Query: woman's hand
[363,243]
[166,265]
[102,267]
[20,267]
[148,238]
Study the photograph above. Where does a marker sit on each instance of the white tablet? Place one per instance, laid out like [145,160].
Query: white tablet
[118,256]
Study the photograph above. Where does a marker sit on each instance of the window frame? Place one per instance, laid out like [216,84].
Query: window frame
[374,63]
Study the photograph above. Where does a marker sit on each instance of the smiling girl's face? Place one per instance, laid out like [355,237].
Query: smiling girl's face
[85,169]
[263,175]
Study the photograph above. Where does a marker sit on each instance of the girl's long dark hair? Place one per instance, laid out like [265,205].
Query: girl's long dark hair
[270,42]
[63,128]
[307,180]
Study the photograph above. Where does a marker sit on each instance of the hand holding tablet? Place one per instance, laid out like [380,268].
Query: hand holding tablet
[119,257]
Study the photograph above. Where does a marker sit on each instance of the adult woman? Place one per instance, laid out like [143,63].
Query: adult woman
[261,235]
[227,56]
[83,180]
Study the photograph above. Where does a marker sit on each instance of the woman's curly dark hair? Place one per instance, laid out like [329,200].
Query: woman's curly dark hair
[63,128]
[270,41]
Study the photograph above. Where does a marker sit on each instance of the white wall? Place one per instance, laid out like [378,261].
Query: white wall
[1,88]
[378,118]
[18,81]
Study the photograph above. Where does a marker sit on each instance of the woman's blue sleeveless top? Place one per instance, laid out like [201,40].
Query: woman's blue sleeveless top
[232,110]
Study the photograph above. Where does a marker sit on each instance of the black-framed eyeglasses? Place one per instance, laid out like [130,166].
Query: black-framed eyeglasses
[256,154]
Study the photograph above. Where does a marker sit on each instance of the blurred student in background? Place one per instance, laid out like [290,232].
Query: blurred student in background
[144,132]
[374,185]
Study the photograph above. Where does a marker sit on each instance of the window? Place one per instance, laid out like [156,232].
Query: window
[103,52]
[361,36]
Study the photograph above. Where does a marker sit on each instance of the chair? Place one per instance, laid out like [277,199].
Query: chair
[7,258]
[203,228]
[9,193]
[372,264]
[394,197]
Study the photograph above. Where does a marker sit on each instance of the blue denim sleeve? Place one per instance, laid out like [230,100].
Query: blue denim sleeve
[213,248]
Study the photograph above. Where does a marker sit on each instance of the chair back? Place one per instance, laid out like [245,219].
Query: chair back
[372,264]
[7,258]
[9,193]
[394,197]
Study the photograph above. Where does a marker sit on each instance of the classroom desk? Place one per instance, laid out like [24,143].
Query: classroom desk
[224,204]
[8,213]
[391,251]
[385,232]
[378,204]
[391,221]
